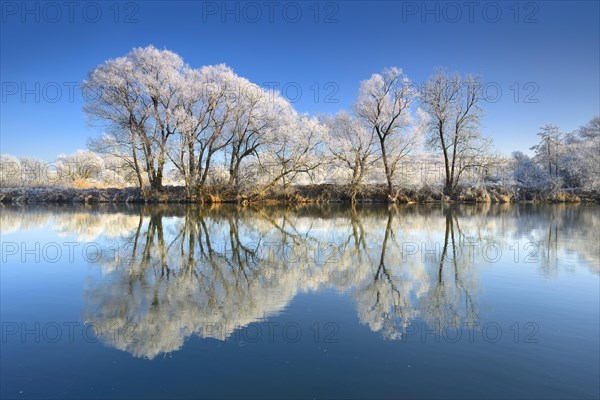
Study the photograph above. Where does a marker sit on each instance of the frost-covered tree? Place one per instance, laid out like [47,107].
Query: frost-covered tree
[255,114]
[35,172]
[591,130]
[205,115]
[588,151]
[114,99]
[547,151]
[354,146]
[10,171]
[83,164]
[383,103]
[527,174]
[452,103]
[121,146]
[579,157]
[569,160]
[135,97]
[292,150]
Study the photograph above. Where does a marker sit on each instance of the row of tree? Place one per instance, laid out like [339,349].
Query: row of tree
[156,110]
[210,129]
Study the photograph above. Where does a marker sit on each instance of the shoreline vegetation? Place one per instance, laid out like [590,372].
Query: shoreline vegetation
[171,133]
[318,194]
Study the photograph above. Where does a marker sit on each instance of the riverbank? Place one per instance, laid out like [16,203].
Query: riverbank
[300,194]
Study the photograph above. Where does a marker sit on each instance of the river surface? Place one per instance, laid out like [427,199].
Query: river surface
[388,302]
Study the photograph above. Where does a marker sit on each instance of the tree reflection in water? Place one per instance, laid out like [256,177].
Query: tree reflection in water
[183,271]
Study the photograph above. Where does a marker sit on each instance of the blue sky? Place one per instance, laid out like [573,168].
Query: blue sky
[543,56]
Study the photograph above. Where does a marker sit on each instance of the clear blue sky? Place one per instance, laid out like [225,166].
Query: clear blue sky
[548,49]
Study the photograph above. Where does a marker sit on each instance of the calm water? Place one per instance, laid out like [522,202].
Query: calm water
[400,302]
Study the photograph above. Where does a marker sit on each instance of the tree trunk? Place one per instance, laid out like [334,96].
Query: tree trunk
[388,173]
[448,183]
[137,168]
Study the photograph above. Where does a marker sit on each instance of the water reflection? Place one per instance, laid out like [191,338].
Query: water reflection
[182,271]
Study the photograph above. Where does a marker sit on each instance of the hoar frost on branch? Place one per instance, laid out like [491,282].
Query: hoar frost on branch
[383,103]
[452,102]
